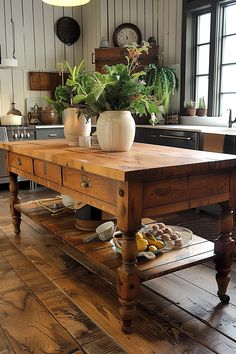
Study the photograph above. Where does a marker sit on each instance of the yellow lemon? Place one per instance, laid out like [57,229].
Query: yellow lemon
[152,248]
[141,244]
[139,236]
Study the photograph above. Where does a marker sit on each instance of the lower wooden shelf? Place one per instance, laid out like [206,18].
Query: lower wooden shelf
[101,257]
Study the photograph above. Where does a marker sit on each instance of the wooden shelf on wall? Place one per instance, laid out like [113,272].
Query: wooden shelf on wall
[116,55]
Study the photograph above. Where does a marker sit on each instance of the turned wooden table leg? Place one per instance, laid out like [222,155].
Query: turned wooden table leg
[128,282]
[15,214]
[224,249]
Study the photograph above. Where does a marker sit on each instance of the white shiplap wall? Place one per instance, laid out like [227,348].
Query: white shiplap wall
[159,18]
[38,48]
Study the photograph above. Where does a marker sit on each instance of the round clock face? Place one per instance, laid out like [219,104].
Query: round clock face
[126,34]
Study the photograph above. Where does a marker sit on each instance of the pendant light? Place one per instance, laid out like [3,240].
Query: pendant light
[66,2]
[9,62]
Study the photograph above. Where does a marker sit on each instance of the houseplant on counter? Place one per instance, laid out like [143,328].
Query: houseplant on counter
[202,108]
[163,82]
[75,115]
[119,91]
[190,108]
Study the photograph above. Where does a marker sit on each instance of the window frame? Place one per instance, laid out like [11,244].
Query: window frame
[191,10]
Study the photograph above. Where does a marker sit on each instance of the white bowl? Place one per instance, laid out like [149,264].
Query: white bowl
[11,119]
[68,201]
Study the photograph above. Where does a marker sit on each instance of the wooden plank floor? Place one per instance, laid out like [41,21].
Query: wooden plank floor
[49,303]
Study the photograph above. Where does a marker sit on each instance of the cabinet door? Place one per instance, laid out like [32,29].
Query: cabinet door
[175,138]
[49,133]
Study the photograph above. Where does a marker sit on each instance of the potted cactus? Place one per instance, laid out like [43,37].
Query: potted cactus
[190,108]
[202,108]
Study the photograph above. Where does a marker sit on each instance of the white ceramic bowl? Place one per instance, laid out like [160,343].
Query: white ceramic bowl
[106,230]
[11,119]
[68,201]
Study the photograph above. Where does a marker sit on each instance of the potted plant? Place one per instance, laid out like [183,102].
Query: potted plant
[202,108]
[119,91]
[190,108]
[163,82]
[75,113]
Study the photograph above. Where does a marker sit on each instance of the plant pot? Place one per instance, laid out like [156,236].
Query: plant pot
[115,130]
[48,116]
[190,111]
[75,126]
[201,112]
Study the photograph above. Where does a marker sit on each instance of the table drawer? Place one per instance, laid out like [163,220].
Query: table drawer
[91,185]
[48,171]
[21,162]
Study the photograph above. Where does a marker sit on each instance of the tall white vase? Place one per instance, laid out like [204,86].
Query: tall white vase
[75,126]
[115,130]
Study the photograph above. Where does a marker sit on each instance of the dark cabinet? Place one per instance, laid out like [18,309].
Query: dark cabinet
[116,55]
[168,137]
[42,133]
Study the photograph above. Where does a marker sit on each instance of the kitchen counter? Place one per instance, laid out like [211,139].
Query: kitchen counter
[193,128]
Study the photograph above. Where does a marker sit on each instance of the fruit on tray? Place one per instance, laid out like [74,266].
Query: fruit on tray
[160,233]
[146,241]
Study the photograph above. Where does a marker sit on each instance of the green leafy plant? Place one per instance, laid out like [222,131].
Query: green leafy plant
[202,103]
[190,104]
[121,87]
[78,85]
[163,82]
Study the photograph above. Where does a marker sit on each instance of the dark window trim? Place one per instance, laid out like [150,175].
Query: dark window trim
[190,9]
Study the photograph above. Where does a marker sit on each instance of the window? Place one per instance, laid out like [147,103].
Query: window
[227,92]
[209,55]
[202,52]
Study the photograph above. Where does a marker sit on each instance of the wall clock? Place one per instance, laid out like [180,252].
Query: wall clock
[126,33]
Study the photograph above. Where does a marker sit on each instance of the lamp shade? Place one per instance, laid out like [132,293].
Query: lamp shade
[66,2]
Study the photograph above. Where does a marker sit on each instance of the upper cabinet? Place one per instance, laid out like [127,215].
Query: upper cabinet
[116,55]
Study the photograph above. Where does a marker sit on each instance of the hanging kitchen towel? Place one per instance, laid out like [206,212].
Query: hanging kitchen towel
[213,142]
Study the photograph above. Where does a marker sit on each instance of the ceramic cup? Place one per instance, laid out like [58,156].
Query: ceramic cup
[106,230]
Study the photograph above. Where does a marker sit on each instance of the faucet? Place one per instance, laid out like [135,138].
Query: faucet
[231,122]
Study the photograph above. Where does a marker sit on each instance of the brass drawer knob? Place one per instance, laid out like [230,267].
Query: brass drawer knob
[18,162]
[85,182]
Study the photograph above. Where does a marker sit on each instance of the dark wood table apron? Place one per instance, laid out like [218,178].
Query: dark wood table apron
[149,180]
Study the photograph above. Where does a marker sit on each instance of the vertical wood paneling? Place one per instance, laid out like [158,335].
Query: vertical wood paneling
[178,31]
[6,90]
[2,29]
[172,31]
[118,12]
[155,19]
[126,8]
[78,46]
[166,33]
[111,21]
[49,36]
[141,15]
[39,35]
[69,49]
[18,24]
[148,20]
[133,11]
[59,46]
[39,48]
[29,42]
[8,29]
[19,98]
[104,4]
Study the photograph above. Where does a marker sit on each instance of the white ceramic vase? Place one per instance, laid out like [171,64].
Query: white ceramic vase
[75,126]
[115,130]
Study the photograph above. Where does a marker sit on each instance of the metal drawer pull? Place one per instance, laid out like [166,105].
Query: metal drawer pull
[176,137]
[85,182]
[18,162]
[51,135]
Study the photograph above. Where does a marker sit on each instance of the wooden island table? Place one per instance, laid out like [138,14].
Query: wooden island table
[146,181]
